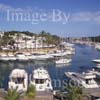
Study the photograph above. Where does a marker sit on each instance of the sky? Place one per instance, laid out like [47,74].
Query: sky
[69,18]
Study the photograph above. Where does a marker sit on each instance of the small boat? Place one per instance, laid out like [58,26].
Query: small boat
[62,65]
[63,61]
[41,80]
[11,57]
[4,57]
[39,56]
[29,56]
[18,79]
[21,57]
[61,53]
[97,46]
[96,60]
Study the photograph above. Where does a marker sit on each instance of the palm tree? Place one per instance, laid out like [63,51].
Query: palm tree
[74,93]
[12,94]
[30,94]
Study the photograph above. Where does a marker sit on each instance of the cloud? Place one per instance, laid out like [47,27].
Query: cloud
[4,7]
[97,17]
[81,16]
[85,17]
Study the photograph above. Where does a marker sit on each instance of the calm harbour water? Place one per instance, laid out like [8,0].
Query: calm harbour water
[82,58]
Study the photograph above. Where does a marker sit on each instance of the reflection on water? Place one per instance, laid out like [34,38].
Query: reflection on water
[80,61]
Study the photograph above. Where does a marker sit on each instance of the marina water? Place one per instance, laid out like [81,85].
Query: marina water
[81,61]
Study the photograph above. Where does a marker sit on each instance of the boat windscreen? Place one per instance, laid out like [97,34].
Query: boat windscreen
[19,80]
[39,81]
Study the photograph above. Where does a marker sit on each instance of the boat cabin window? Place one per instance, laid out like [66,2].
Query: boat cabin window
[19,53]
[18,80]
[87,81]
[37,54]
[39,81]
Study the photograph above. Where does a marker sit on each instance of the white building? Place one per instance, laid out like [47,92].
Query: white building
[24,41]
[1,33]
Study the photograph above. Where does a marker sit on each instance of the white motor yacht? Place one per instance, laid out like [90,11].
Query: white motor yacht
[21,57]
[29,56]
[12,57]
[97,67]
[63,61]
[96,60]
[39,56]
[61,53]
[18,79]
[41,80]
[4,57]
[97,46]
[86,79]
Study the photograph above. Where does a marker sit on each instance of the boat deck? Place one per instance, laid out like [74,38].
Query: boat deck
[74,76]
[80,76]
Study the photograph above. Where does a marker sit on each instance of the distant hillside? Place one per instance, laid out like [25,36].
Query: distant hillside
[49,38]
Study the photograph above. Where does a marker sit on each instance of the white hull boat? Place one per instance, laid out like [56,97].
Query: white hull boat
[29,57]
[96,60]
[60,54]
[41,80]
[4,57]
[21,57]
[63,61]
[12,57]
[86,80]
[41,56]
[97,46]
[18,79]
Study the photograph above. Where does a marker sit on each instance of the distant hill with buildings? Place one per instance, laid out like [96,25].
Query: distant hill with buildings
[25,39]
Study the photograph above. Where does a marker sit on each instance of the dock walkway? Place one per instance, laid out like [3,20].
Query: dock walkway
[44,96]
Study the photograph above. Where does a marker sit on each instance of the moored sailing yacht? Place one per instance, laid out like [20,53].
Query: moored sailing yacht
[18,79]
[41,80]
